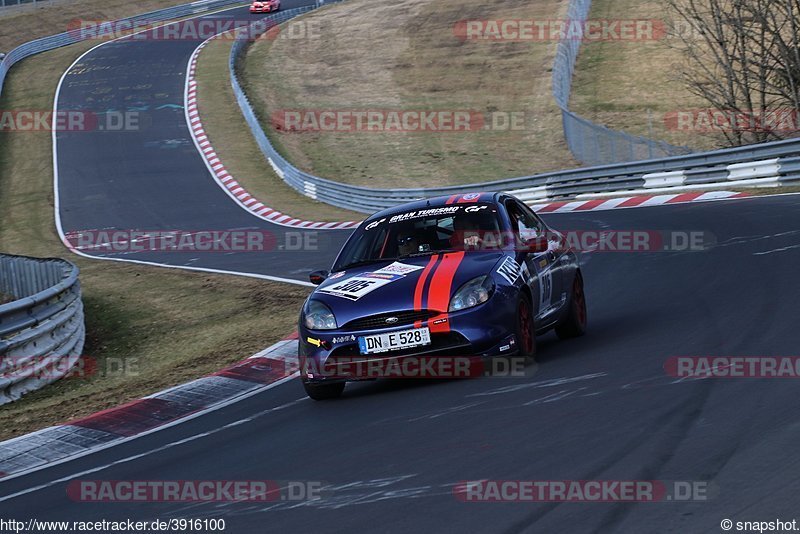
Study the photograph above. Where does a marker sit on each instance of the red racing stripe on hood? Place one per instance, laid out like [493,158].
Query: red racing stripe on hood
[439,292]
[420,288]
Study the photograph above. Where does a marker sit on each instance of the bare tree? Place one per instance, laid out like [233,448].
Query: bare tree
[743,58]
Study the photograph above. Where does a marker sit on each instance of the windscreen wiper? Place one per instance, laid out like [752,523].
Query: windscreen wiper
[426,253]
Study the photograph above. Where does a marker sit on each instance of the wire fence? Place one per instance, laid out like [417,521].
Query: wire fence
[590,143]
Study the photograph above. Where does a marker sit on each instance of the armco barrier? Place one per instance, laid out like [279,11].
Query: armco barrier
[67,38]
[675,171]
[31,3]
[42,331]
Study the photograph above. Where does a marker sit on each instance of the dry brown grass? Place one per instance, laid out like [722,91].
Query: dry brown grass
[403,54]
[26,25]
[617,82]
[174,325]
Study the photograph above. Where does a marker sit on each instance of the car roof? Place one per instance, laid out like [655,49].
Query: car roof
[437,202]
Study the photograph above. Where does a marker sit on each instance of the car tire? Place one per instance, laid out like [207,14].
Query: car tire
[324,391]
[574,324]
[526,332]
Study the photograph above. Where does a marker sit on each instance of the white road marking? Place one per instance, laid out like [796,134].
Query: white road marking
[446,411]
[151,451]
[773,251]
[540,384]
[564,393]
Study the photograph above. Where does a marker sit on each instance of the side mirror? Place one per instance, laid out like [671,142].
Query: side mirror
[317,277]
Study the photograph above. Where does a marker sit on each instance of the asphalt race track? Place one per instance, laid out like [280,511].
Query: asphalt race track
[152,178]
[389,454]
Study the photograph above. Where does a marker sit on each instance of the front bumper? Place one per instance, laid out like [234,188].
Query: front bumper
[471,337]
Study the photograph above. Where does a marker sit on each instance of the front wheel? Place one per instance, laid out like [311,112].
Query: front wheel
[324,391]
[526,333]
[574,324]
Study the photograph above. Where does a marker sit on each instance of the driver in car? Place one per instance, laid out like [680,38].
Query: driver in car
[466,233]
[406,244]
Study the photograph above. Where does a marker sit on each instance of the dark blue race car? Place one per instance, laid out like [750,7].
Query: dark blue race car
[476,274]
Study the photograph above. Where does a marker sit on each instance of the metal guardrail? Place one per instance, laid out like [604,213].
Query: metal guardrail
[17,3]
[67,38]
[42,331]
[704,167]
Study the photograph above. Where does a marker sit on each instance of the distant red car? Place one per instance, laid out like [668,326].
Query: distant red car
[265,6]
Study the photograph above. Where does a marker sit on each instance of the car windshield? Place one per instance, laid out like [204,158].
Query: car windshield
[418,233]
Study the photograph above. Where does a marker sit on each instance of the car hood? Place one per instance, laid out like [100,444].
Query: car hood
[425,282]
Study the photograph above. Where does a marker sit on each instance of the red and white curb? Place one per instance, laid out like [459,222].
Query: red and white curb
[111,427]
[250,203]
[640,201]
[221,174]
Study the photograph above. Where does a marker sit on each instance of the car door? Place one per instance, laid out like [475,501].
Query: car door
[545,274]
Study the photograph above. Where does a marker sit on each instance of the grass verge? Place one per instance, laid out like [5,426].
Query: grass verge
[236,147]
[25,25]
[404,55]
[777,190]
[634,85]
[170,325]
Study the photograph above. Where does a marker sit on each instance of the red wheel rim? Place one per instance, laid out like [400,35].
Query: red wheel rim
[525,326]
[579,300]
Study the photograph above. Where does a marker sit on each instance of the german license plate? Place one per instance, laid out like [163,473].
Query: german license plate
[402,339]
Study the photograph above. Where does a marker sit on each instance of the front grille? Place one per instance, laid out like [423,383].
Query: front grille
[379,321]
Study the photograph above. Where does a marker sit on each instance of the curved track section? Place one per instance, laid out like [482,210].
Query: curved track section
[152,178]
[600,407]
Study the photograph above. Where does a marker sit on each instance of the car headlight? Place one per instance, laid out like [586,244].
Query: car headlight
[476,291]
[318,316]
